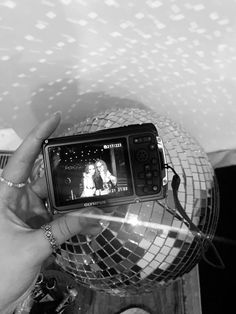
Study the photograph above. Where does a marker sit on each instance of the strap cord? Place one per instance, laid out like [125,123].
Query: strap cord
[200,236]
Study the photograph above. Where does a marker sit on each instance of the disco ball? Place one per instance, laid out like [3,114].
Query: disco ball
[124,258]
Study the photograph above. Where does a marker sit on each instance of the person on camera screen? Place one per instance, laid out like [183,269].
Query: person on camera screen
[105,182]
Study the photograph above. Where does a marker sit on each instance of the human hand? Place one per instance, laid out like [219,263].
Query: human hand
[23,245]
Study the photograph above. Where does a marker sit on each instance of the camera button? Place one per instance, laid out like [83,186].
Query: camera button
[155,173]
[155,188]
[148,174]
[145,189]
[147,139]
[142,155]
[138,140]
[154,161]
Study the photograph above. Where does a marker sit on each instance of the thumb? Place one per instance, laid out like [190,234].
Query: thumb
[66,226]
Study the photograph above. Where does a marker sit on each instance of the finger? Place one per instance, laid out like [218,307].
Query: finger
[20,164]
[39,187]
[65,227]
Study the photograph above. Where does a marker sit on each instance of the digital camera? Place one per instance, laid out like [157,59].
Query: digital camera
[105,168]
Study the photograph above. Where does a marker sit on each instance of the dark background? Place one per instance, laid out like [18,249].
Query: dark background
[218,287]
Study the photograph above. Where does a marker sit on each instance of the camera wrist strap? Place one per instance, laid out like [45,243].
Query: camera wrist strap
[200,236]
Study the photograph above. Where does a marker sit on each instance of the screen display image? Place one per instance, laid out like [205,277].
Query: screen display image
[94,170]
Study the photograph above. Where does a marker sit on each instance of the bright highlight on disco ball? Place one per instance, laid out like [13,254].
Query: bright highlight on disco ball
[147,244]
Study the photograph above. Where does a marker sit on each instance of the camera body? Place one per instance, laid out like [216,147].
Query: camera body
[105,168]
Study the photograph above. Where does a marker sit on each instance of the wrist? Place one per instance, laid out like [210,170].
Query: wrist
[22,304]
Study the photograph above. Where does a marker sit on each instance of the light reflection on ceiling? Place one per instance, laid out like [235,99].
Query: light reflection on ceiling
[175,57]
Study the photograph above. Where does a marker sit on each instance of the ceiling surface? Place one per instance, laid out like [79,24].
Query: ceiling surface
[83,56]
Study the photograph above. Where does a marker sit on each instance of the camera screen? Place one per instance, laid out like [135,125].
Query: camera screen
[94,170]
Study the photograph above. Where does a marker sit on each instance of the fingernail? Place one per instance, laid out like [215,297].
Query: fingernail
[55,116]
[48,126]
[57,113]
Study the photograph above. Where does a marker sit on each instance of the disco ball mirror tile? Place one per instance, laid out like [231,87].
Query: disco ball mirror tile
[125,258]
